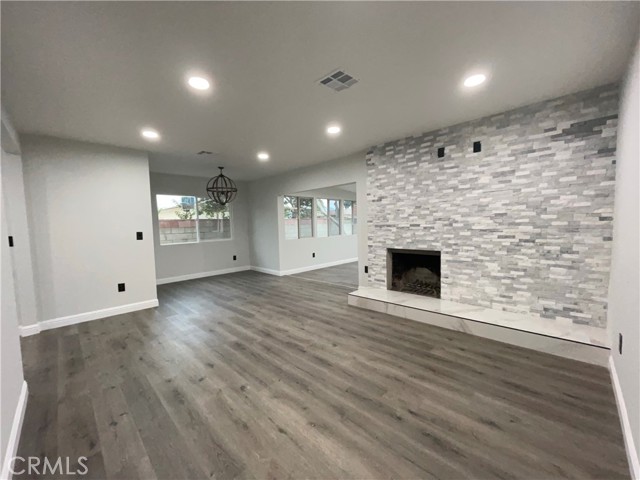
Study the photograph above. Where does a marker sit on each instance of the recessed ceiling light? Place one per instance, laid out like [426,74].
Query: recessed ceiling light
[199,83]
[263,156]
[150,134]
[334,129]
[475,80]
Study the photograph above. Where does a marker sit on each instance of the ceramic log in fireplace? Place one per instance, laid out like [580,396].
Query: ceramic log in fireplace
[414,271]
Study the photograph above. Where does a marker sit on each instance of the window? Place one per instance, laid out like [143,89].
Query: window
[305,223]
[290,217]
[214,220]
[306,217]
[188,219]
[349,218]
[298,217]
[322,228]
[334,217]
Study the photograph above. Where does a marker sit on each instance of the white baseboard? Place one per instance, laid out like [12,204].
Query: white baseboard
[293,271]
[193,276]
[16,429]
[87,317]
[28,330]
[268,271]
[632,453]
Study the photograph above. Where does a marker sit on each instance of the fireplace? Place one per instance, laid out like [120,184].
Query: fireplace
[414,271]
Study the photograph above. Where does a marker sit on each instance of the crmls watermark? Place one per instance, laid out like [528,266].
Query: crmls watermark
[44,466]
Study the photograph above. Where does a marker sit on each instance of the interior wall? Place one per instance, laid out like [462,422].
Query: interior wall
[16,217]
[11,373]
[331,250]
[268,248]
[202,258]
[85,203]
[624,303]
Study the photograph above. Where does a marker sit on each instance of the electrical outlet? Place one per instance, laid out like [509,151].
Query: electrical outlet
[477,147]
[10,240]
[121,287]
[138,235]
[440,152]
[366,269]
[234,258]
[313,254]
[620,343]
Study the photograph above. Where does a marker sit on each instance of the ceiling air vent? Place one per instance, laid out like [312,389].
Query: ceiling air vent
[338,80]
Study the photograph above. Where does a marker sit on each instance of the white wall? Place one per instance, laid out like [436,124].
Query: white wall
[16,217]
[11,375]
[184,260]
[85,203]
[297,254]
[624,285]
[269,250]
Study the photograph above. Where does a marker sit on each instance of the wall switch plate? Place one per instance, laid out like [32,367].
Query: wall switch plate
[10,240]
[477,147]
[138,235]
[366,269]
[313,254]
[440,152]
[121,287]
[234,258]
[620,343]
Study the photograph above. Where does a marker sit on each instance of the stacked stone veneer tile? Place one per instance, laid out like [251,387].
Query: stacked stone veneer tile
[524,225]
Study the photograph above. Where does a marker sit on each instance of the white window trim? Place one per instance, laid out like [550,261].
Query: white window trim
[314,219]
[198,240]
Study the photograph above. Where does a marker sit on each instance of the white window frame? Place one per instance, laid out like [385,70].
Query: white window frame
[197,219]
[314,222]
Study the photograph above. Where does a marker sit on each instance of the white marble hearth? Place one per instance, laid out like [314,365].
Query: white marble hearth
[579,342]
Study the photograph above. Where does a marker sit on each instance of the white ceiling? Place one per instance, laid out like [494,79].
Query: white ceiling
[100,71]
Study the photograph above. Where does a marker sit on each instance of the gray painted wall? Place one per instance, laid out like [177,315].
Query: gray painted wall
[11,375]
[525,225]
[210,256]
[268,247]
[624,303]
[17,222]
[85,203]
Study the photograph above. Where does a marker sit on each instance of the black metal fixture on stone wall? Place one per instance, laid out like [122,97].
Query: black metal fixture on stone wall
[221,189]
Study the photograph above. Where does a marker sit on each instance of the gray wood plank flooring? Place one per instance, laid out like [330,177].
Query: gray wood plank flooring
[254,376]
[345,275]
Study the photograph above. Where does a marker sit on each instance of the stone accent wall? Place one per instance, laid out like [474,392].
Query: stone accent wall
[525,225]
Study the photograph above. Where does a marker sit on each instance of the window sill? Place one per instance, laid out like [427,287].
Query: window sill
[196,243]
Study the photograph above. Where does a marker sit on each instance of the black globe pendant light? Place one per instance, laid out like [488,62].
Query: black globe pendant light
[221,189]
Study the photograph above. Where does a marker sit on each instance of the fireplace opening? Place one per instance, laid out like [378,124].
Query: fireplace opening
[414,271]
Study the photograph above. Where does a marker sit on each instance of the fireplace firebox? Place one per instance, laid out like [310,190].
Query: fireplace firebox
[414,271]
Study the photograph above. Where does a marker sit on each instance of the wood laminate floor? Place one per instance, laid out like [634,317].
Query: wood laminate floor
[255,376]
[345,275]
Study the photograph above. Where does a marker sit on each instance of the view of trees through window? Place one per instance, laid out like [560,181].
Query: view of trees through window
[306,217]
[334,217]
[189,219]
[290,217]
[348,217]
[322,217]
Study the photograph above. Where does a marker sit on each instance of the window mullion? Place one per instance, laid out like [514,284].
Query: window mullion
[298,207]
[195,203]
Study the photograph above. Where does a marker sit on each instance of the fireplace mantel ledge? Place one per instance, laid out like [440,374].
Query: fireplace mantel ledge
[409,306]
